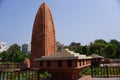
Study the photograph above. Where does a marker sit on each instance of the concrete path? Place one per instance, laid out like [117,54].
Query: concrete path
[88,77]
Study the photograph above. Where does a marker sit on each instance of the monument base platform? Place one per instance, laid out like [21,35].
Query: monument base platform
[63,74]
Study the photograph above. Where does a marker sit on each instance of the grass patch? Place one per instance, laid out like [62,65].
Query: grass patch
[86,71]
[45,74]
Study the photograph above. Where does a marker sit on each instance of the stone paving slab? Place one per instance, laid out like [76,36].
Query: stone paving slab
[88,77]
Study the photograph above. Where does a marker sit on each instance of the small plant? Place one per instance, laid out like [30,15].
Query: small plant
[45,75]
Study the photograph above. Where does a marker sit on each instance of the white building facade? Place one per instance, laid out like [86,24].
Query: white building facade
[3,46]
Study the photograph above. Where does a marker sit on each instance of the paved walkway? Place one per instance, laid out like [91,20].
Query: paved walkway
[88,77]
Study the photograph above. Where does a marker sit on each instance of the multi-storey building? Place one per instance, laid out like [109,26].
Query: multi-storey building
[74,45]
[59,46]
[26,48]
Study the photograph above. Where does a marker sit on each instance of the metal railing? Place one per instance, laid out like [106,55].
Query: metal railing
[105,71]
[109,68]
[19,75]
[12,71]
[5,66]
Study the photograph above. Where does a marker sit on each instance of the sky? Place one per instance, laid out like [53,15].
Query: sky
[75,20]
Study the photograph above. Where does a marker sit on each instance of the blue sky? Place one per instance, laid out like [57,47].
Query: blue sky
[75,20]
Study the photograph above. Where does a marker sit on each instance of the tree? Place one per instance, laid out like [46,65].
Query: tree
[114,41]
[85,50]
[97,47]
[103,48]
[79,49]
[117,45]
[100,41]
[14,48]
[110,51]
[15,53]
[4,55]
[19,57]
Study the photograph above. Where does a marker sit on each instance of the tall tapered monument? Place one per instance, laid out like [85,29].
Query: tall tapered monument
[64,64]
[43,41]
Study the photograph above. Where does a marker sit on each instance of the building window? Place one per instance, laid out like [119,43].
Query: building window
[59,63]
[69,63]
[41,63]
[48,63]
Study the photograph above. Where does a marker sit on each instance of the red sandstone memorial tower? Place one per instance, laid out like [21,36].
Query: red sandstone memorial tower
[64,64]
[43,35]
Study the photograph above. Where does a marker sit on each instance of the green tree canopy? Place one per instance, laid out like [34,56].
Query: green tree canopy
[101,47]
[117,45]
[15,53]
[97,47]
[4,55]
[100,41]
[110,51]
